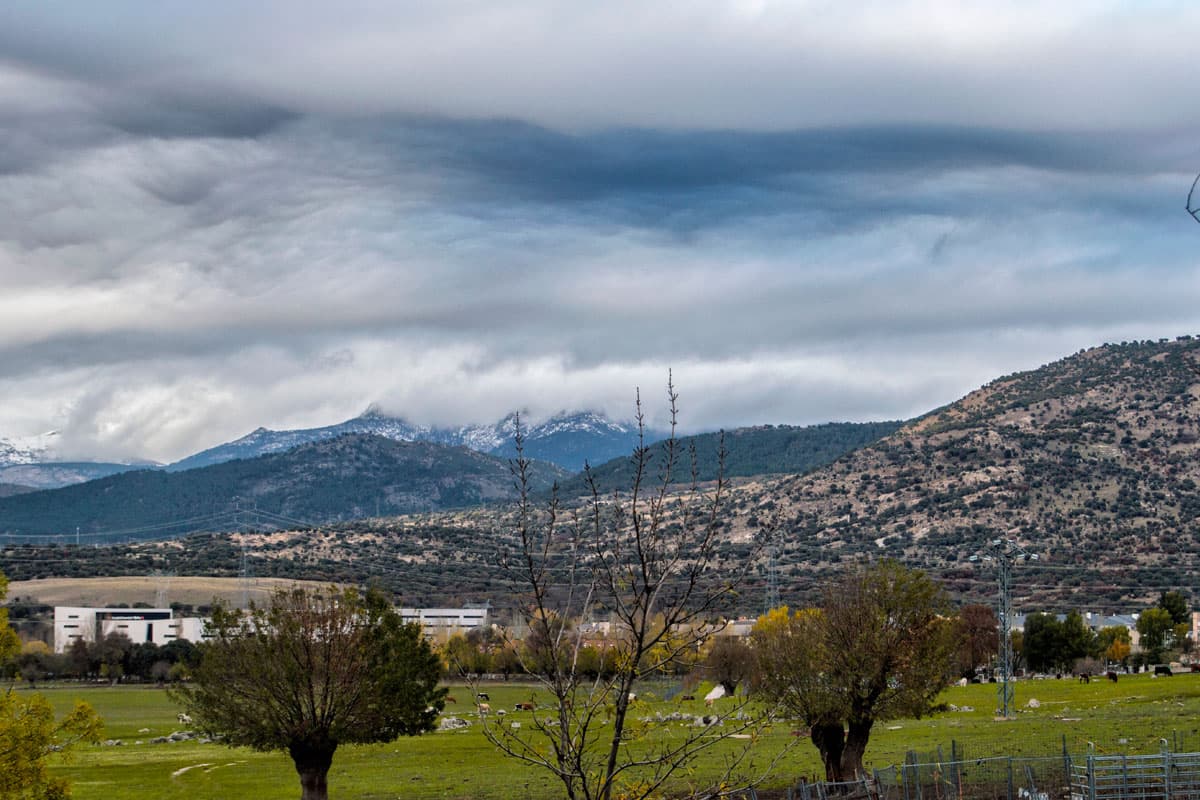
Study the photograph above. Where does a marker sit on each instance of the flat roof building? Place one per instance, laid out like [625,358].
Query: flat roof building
[157,625]
[446,621]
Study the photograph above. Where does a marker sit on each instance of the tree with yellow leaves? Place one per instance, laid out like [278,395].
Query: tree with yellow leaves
[880,647]
[29,732]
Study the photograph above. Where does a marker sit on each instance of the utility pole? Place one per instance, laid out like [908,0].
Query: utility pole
[1005,552]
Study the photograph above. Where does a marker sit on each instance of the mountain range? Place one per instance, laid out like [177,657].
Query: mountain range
[1091,462]
[317,482]
[356,475]
[566,439]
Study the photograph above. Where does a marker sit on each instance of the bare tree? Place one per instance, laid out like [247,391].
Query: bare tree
[648,560]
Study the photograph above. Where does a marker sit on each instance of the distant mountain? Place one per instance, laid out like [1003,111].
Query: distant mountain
[567,439]
[28,449]
[348,477]
[758,450]
[55,474]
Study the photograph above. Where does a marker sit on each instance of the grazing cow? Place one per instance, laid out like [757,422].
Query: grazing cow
[524,707]
[484,697]
[683,698]
[484,708]
[184,719]
[1112,676]
[1085,677]
[451,699]
[1162,669]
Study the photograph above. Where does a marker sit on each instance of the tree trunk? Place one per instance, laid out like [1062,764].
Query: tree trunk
[857,736]
[830,740]
[312,763]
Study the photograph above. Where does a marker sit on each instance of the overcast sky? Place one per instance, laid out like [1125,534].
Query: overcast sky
[215,216]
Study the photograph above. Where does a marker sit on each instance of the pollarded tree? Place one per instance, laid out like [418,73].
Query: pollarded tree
[312,670]
[793,668]
[882,646]
[730,663]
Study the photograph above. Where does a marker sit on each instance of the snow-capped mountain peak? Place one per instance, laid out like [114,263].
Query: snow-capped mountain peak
[567,438]
[29,449]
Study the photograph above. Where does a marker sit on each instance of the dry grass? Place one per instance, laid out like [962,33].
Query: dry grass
[129,590]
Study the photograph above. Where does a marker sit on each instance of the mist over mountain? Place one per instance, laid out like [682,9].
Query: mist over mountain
[566,439]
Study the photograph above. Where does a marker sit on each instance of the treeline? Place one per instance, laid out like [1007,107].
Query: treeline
[114,658]
[760,450]
[1050,644]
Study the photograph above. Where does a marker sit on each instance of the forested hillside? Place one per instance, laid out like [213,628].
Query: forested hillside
[760,450]
[345,478]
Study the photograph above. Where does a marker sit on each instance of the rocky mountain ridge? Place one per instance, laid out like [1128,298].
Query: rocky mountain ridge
[566,439]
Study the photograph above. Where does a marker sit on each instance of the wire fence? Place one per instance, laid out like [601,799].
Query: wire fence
[1166,775]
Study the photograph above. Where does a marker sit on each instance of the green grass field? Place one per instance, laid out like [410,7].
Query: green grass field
[1130,716]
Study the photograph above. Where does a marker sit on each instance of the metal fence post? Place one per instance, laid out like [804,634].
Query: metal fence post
[1012,795]
[1066,760]
[957,760]
[1091,774]
[1166,758]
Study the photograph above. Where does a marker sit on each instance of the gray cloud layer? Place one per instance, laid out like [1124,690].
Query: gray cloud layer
[211,221]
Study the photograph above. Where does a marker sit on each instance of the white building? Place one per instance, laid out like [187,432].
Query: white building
[157,625]
[446,621]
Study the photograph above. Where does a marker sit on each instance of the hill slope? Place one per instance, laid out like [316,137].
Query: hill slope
[760,450]
[348,477]
[1092,461]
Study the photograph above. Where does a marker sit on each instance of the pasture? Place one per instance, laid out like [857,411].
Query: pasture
[1129,716]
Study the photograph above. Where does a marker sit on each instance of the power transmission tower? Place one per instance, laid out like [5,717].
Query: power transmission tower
[773,600]
[244,577]
[244,570]
[162,581]
[1006,552]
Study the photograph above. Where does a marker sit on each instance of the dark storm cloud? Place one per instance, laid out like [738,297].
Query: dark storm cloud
[198,113]
[214,218]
